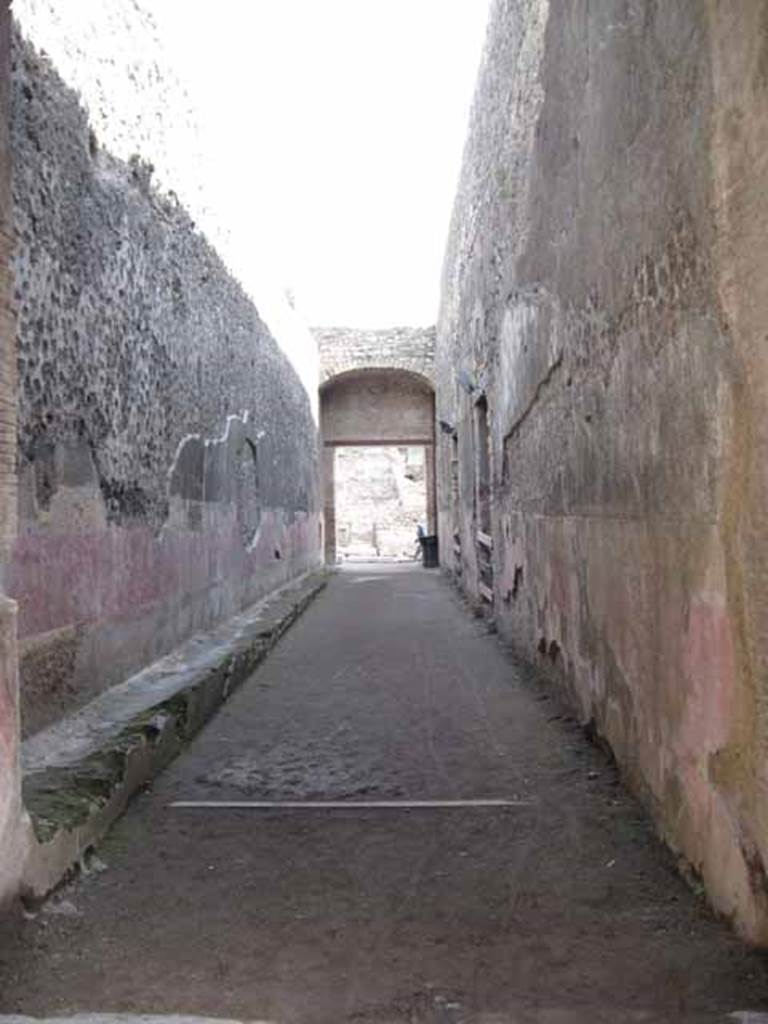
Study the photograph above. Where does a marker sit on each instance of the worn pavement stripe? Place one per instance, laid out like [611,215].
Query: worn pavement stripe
[342,805]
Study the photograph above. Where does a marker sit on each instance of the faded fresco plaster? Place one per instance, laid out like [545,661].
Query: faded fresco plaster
[602,287]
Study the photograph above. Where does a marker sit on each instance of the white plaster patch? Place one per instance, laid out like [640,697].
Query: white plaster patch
[345,805]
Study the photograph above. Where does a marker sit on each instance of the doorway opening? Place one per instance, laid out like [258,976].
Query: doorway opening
[483,466]
[381,500]
[484,544]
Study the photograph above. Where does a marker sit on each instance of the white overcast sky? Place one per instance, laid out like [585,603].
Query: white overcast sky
[339,127]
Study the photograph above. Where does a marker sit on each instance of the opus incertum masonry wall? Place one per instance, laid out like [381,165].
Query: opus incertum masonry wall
[167,447]
[13,831]
[604,316]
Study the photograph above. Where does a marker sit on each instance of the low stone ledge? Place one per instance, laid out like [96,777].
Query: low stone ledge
[521,1015]
[79,774]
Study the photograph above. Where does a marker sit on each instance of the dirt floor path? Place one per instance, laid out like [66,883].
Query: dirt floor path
[565,910]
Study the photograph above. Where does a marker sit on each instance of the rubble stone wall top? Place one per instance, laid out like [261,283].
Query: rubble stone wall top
[343,349]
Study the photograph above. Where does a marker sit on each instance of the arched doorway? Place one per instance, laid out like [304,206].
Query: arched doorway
[376,407]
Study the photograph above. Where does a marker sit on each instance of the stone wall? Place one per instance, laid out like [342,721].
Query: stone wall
[343,349]
[377,406]
[167,447]
[13,824]
[602,290]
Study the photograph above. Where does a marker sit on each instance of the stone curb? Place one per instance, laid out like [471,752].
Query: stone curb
[80,775]
[526,1016]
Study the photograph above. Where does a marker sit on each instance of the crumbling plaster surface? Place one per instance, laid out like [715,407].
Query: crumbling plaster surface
[601,285]
[168,459]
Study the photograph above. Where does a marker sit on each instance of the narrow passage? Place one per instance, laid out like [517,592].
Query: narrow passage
[560,909]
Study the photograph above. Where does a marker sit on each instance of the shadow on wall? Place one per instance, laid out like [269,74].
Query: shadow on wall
[168,457]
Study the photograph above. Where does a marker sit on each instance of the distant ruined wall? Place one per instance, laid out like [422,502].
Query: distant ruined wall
[167,448]
[380,501]
[603,288]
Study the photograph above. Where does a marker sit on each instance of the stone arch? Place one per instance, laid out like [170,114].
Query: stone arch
[346,349]
[375,405]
